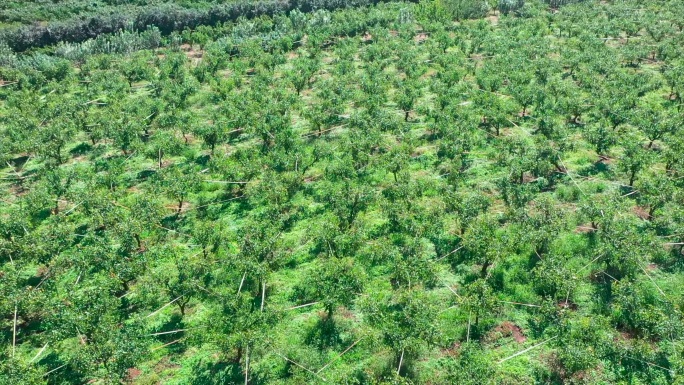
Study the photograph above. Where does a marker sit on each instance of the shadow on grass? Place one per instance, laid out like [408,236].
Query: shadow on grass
[66,375]
[208,373]
[144,174]
[598,168]
[81,149]
[324,334]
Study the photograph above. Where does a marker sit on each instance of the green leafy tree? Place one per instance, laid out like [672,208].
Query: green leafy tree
[53,137]
[601,137]
[634,159]
[94,337]
[472,366]
[178,183]
[580,343]
[336,282]
[303,70]
[259,252]
[542,226]
[482,240]
[508,6]
[16,371]
[407,93]
[482,304]
[407,323]
[179,275]
[412,265]
[655,191]
[673,74]
[163,143]
[654,123]
[554,280]
[467,206]
[397,160]
[144,216]
[465,9]
[138,68]
[238,327]
[126,135]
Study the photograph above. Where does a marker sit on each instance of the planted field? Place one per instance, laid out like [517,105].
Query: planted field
[404,193]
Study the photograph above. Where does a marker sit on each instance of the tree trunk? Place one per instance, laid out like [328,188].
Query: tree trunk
[138,241]
[238,354]
[632,177]
[651,211]
[485,266]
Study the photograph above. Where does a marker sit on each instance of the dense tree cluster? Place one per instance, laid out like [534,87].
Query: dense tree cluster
[373,195]
[167,18]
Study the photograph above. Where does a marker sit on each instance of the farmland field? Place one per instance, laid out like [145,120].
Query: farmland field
[433,192]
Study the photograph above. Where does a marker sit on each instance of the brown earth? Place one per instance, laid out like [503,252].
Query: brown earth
[507,329]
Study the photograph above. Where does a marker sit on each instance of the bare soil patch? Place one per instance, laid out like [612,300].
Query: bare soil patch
[585,229]
[567,304]
[507,329]
[133,373]
[421,37]
[494,19]
[641,212]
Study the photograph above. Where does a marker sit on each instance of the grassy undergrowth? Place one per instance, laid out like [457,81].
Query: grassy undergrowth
[379,195]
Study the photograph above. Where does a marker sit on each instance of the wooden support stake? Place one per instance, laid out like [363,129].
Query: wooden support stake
[14,330]
[301,306]
[301,366]
[452,290]
[175,331]
[448,254]
[39,353]
[224,181]
[519,303]
[247,366]
[525,350]
[340,355]
[54,370]
[653,281]
[263,295]
[468,332]
[401,361]
[241,282]
[167,344]
[567,172]
[163,307]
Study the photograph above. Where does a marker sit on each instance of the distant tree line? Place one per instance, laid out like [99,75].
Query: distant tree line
[173,17]
[167,18]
